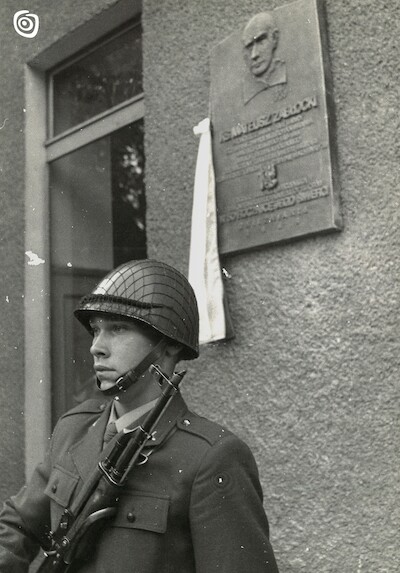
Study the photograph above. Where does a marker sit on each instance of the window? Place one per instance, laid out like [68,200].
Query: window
[96,191]
[97,81]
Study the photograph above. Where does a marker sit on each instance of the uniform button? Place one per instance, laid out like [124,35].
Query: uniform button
[186,422]
[130,516]
[54,488]
[102,406]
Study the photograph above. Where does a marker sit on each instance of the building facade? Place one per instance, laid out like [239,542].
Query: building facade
[310,379]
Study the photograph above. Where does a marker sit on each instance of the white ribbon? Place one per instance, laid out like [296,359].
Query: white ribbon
[204,267]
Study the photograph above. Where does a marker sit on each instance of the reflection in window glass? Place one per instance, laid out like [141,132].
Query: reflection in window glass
[128,198]
[106,77]
[98,203]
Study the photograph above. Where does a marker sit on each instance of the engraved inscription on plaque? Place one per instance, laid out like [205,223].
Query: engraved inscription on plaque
[273,140]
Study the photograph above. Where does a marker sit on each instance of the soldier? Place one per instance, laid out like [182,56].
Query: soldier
[195,505]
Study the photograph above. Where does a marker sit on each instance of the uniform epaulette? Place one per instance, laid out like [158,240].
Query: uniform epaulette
[91,406]
[203,428]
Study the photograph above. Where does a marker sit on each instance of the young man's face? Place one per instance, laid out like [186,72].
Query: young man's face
[118,345]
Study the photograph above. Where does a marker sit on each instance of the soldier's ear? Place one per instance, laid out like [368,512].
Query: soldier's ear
[173,350]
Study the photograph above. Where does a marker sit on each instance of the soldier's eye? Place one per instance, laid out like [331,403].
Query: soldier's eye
[119,327]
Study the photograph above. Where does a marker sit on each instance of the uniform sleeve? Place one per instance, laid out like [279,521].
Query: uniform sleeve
[25,523]
[228,523]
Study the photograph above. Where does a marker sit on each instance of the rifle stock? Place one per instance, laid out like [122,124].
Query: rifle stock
[98,499]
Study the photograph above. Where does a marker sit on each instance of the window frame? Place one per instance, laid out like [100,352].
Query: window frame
[95,128]
[40,150]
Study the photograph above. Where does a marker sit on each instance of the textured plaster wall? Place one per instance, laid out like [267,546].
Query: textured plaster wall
[311,379]
[11,254]
[56,20]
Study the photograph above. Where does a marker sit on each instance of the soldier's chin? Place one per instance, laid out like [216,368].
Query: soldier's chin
[106,385]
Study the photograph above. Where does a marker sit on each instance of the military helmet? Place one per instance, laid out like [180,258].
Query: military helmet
[153,293]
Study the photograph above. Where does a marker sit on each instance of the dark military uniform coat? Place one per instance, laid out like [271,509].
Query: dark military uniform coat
[194,507]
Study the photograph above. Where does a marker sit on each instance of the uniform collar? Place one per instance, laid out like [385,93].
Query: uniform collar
[130,417]
[87,453]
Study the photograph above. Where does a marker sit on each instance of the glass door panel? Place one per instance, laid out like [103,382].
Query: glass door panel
[97,221]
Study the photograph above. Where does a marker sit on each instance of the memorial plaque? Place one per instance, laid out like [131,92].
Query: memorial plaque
[273,140]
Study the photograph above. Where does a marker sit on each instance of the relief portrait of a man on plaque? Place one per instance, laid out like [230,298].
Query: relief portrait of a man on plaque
[260,40]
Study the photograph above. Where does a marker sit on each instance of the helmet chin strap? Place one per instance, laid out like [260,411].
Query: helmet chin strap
[124,382]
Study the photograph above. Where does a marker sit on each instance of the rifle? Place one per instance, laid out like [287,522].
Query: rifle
[98,499]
